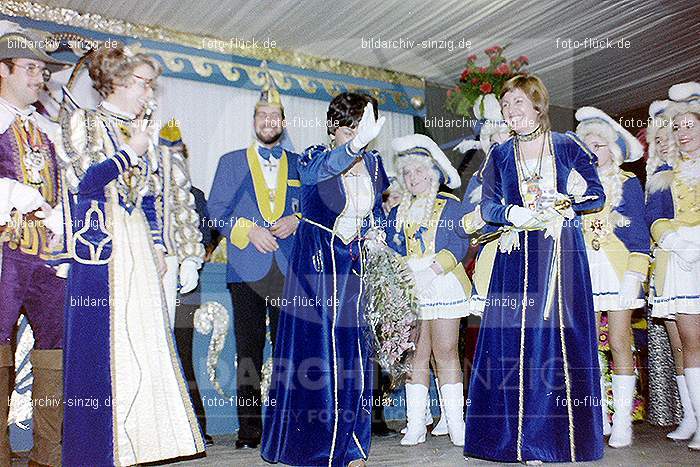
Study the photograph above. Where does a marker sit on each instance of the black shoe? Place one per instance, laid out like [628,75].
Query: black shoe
[247,443]
[208,440]
[382,430]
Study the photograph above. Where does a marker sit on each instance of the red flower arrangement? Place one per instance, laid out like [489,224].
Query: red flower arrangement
[475,81]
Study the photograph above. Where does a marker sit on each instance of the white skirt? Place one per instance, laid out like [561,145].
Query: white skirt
[681,291]
[606,285]
[445,299]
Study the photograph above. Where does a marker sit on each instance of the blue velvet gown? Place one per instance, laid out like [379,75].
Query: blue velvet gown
[534,392]
[319,410]
[125,399]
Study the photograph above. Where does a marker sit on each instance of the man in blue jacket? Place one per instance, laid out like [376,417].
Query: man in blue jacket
[253,203]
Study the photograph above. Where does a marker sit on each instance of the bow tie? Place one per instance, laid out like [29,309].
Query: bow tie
[419,235]
[275,152]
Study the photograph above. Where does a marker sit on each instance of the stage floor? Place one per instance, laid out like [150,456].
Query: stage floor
[650,448]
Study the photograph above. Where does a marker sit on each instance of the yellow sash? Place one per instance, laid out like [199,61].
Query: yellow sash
[262,193]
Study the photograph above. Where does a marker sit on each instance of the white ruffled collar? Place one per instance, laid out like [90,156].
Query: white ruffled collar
[25,113]
[8,113]
[688,170]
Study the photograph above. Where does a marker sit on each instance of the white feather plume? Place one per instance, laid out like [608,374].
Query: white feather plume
[404,143]
[684,91]
[634,147]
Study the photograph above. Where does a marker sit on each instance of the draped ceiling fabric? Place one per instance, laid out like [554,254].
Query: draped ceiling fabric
[662,36]
[212,93]
[216,119]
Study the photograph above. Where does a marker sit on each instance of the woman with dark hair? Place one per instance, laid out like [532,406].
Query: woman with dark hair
[125,399]
[535,391]
[319,407]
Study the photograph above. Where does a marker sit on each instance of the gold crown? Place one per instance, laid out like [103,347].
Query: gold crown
[269,94]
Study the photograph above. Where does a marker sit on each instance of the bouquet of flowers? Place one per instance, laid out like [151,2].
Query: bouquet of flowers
[391,310]
[477,81]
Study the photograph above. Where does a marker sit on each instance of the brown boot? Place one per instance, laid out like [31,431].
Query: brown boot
[7,378]
[47,397]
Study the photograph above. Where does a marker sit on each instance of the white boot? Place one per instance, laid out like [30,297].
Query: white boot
[692,380]
[441,428]
[453,401]
[687,427]
[604,404]
[428,415]
[416,395]
[623,396]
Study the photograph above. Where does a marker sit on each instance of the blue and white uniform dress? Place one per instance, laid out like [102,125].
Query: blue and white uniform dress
[617,242]
[442,239]
[126,402]
[617,238]
[673,205]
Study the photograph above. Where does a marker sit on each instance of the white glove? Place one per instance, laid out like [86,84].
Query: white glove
[367,129]
[523,217]
[376,234]
[629,289]
[424,279]
[691,243]
[133,156]
[467,145]
[189,277]
[554,222]
[688,252]
[473,221]
[375,239]
[54,220]
[25,198]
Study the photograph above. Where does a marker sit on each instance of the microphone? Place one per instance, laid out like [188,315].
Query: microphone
[148,110]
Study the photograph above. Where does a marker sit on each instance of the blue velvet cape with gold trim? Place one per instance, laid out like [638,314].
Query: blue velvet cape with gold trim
[534,392]
[322,376]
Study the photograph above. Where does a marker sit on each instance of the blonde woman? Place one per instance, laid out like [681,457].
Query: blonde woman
[426,229]
[536,353]
[665,346]
[617,244]
[673,214]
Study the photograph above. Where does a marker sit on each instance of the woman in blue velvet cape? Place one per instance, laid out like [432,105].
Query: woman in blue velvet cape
[534,391]
[319,410]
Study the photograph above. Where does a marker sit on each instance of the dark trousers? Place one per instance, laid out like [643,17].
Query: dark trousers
[184,331]
[27,283]
[252,303]
[380,389]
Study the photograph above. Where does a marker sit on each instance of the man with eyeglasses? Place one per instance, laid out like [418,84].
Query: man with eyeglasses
[31,240]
